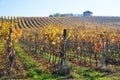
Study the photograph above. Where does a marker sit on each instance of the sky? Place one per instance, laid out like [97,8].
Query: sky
[46,7]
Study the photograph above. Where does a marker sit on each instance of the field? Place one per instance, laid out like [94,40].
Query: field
[60,48]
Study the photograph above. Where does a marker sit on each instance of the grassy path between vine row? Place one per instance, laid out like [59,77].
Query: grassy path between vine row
[36,67]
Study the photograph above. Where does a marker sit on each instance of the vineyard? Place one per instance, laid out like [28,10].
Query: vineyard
[60,48]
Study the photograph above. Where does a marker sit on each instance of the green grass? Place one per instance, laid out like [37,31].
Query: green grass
[28,61]
[77,72]
[89,74]
[34,70]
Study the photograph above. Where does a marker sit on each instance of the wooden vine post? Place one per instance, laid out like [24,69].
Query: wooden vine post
[63,65]
[104,50]
[10,37]
[10,54]
[9,49]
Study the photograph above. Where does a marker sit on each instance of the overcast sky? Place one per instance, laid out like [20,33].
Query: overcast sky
[46,7]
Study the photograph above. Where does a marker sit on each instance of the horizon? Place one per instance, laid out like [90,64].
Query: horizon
[58,16]
[44,8]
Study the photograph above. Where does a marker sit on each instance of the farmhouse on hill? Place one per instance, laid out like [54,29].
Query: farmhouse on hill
[87,13]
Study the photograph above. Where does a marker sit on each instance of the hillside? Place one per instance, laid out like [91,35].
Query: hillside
[60,48]
[37,22]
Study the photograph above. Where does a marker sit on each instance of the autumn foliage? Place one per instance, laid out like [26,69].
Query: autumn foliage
[5,32]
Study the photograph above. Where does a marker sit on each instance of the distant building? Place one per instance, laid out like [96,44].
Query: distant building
[87,13]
